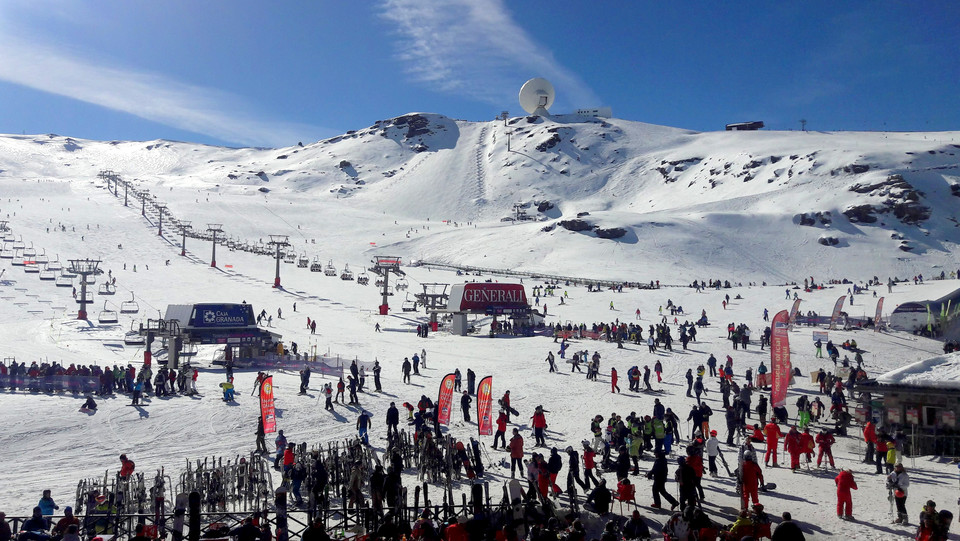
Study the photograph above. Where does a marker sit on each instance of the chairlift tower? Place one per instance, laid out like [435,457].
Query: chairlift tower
[143,201]
[279,241]
[83,268]
[213,229]
[433,298]
[160,210]
[383,266]
[109,176]
[184,228]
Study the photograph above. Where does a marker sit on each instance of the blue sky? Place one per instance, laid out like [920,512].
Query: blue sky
[260,73]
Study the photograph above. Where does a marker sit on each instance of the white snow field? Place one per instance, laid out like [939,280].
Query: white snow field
[443,202]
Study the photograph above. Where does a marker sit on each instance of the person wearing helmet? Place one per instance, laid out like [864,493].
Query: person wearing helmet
[713,450]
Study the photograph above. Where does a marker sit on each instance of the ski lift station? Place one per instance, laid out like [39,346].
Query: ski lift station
[234,326]
[486,298]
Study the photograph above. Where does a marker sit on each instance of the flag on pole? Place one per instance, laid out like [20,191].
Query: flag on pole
[780,359]
[445,398]
[836,312]
[485,406]
[267,412]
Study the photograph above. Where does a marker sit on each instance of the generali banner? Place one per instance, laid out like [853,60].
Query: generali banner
[267,412]
[445,399]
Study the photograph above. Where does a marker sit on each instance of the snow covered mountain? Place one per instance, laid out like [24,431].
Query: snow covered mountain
[645,201]
[744,206]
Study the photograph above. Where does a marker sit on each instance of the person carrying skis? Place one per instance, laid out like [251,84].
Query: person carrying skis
[845,483]
[897,483]
[773,434]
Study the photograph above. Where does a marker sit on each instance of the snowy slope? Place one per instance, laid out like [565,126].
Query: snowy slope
[407,203]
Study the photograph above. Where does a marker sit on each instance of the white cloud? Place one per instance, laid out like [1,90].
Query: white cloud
[475,48]
[146,95]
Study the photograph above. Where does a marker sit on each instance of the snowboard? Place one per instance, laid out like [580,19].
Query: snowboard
[515,490]
[179,513]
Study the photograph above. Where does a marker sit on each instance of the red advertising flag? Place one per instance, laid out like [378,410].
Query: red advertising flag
[878,319]
[267,412]
[445,399]
[485,406]
[780,358]
[836,312]
[793,312]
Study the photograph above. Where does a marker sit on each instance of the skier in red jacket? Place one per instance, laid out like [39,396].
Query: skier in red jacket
[614,388]
[845,483]
[751,479]
[792,445]
[126,467]
[825,441]
[806,444]
[773,439]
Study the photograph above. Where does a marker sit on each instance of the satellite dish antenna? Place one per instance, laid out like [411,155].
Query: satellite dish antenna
[536,96]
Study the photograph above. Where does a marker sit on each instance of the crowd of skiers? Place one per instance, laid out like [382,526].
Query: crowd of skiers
[127,380]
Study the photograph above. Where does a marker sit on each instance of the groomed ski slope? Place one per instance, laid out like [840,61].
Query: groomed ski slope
[48,444]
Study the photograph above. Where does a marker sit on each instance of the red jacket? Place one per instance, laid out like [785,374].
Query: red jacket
[845,482]
[539,420]
[696,462]
[456,532]
[806,442]
[502,423]
[773,432]
[588,462]
[869,432]
[825,441]
[288,458]
[752,475]
[792,442]
[516,446]
[126,468]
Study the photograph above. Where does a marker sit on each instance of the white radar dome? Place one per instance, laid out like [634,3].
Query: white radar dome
[536,96]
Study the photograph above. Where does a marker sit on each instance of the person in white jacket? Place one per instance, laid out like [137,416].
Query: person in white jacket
[713,450]
[897,483]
